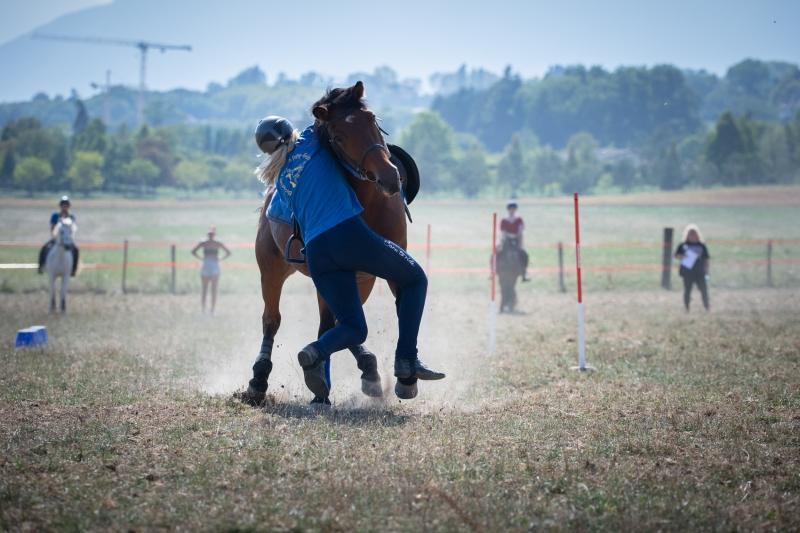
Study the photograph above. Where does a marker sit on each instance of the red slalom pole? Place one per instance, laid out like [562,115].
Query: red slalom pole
[578,248]
[581,328]
[428,252]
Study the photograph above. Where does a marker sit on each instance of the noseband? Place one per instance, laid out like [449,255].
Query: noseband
[355,168]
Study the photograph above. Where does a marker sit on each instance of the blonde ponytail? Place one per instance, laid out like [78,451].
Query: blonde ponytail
[271,166]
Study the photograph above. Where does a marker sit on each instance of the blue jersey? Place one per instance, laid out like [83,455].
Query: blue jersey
[312,187]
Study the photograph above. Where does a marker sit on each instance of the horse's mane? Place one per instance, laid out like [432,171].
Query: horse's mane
[340,98]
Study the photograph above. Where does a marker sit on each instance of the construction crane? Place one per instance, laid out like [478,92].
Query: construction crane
[143,47]
[106,91]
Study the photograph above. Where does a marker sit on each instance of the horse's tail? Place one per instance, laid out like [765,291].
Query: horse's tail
[262,211]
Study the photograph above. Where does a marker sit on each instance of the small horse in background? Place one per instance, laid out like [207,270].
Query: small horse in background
[60,259]
[509,268]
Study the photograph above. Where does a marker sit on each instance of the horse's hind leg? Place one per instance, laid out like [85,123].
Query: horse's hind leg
[405,388]
[274,272]
[365,359]
[270,322]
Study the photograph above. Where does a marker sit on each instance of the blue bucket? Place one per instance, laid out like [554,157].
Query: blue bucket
[32,336]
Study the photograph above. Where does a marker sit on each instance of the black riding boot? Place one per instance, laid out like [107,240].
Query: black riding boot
[43,255]
[76,253]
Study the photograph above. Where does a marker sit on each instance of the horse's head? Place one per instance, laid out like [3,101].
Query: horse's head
[353,131]
[64,230]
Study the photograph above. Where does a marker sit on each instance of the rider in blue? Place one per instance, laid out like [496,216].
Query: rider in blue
[311,187]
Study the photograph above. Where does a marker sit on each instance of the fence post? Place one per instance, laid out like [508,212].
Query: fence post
[561,286]
[124,266]
[769,263]
[428,252]
[666,261]
[172,265]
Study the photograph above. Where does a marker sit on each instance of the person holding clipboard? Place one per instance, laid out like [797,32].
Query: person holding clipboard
[694,262]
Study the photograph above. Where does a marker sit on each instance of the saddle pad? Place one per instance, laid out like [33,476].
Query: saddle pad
[401,158]
[279,211]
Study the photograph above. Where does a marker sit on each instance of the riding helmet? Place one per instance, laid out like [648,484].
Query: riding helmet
[511,204]
[272,132]
[64,201]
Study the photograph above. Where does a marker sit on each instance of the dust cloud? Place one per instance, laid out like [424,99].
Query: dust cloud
[452,339]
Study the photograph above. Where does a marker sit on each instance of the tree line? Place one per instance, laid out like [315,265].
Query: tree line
[627,107]
[576,129]
[589,129]
[733,151]
[89,159]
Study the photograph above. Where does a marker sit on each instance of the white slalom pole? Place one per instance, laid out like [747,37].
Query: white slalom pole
[492,344]
[581,339]
[581,323]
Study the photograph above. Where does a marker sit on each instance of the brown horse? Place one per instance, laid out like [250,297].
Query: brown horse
[509,268]
[342,117]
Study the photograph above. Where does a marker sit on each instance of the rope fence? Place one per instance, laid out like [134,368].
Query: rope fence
[429,247]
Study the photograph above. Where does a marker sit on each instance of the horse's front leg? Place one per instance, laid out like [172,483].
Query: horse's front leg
[366,360]
[64,286]
[52,279]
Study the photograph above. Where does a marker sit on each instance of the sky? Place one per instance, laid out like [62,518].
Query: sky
[415,37]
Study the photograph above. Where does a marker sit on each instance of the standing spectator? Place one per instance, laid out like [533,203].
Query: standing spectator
[512,227]
[209,272]
[694,264]
[63,212]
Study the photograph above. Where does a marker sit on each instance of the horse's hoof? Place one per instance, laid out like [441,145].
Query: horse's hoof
[406,391]
[314,371]
[251,396]
[319,401]
[373,389]
[370,377]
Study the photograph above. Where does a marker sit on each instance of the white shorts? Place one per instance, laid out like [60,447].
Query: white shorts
[210,268]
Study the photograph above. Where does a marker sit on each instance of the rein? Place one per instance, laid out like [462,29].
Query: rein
[355,168]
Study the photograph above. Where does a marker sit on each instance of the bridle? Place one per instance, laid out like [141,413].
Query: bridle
[355,168]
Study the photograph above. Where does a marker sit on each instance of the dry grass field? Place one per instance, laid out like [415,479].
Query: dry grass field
[126,421]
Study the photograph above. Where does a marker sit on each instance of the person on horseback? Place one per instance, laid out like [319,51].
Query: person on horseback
[311,186]
[512,227]
[63,212]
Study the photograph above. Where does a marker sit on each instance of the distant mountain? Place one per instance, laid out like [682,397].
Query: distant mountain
[243,99]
